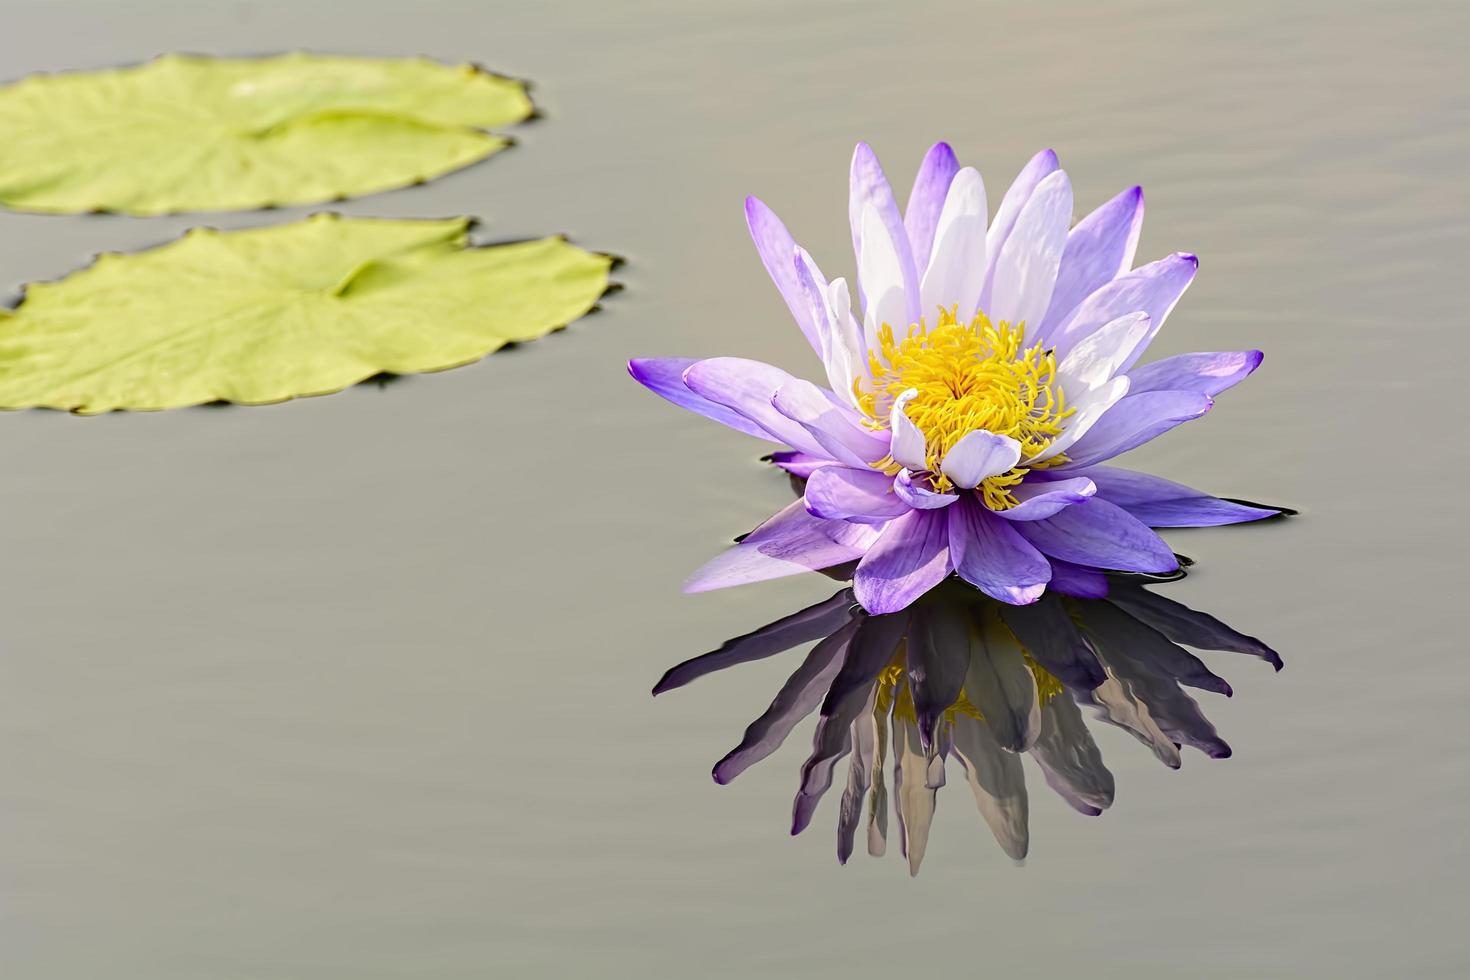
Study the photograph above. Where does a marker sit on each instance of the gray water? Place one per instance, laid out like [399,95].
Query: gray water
[357,686]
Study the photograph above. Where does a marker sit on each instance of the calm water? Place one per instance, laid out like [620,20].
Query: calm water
[357,687]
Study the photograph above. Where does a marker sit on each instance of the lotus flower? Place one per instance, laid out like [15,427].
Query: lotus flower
[959,678]
[968,414]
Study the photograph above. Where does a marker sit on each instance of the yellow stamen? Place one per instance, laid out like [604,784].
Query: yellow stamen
[968,376]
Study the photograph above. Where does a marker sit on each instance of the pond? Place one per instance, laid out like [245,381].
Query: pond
[358,686]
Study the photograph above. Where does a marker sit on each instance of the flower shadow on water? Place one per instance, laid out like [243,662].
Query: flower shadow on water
[960,684]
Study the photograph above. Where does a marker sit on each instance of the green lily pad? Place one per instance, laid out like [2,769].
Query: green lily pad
[190,133]
[273,313]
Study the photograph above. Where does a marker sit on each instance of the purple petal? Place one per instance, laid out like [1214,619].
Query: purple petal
[1162,503]
[664,376]
[1046,630]
[775,246]
[845,494]
[747,387]
[926,200]
[1153,289]
[869,652]
[1189,626]
[1208,374]
[990,555]
[938,656]
[798,697]
[835,429]
[1100,535]
[1016,196]
[1039,500]
[1135,420]
[811,623]
[869,187]
[799,465]
[910,557]
[917,497]
[791,542]
[1098,250]
[1077,581]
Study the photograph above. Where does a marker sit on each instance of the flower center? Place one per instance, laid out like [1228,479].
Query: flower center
[968,376]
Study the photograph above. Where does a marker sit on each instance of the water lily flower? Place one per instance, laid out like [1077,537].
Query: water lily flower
[969,412]
[959,678]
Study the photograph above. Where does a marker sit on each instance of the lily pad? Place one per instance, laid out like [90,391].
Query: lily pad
[273,313]
[191,133]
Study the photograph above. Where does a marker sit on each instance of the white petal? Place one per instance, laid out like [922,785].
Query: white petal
[908,441]
[957,268]
[813,287]
[1026,269]
[835,336]
[1089,409]
[978,455]
[880,272]
[839,299]
[849,354]
[869,188]
[845,326]
[1011,203]
[1101,355]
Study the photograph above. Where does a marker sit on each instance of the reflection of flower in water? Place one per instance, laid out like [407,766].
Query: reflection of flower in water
[961,677]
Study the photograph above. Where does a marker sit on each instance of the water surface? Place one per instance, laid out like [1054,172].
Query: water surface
[357,687]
